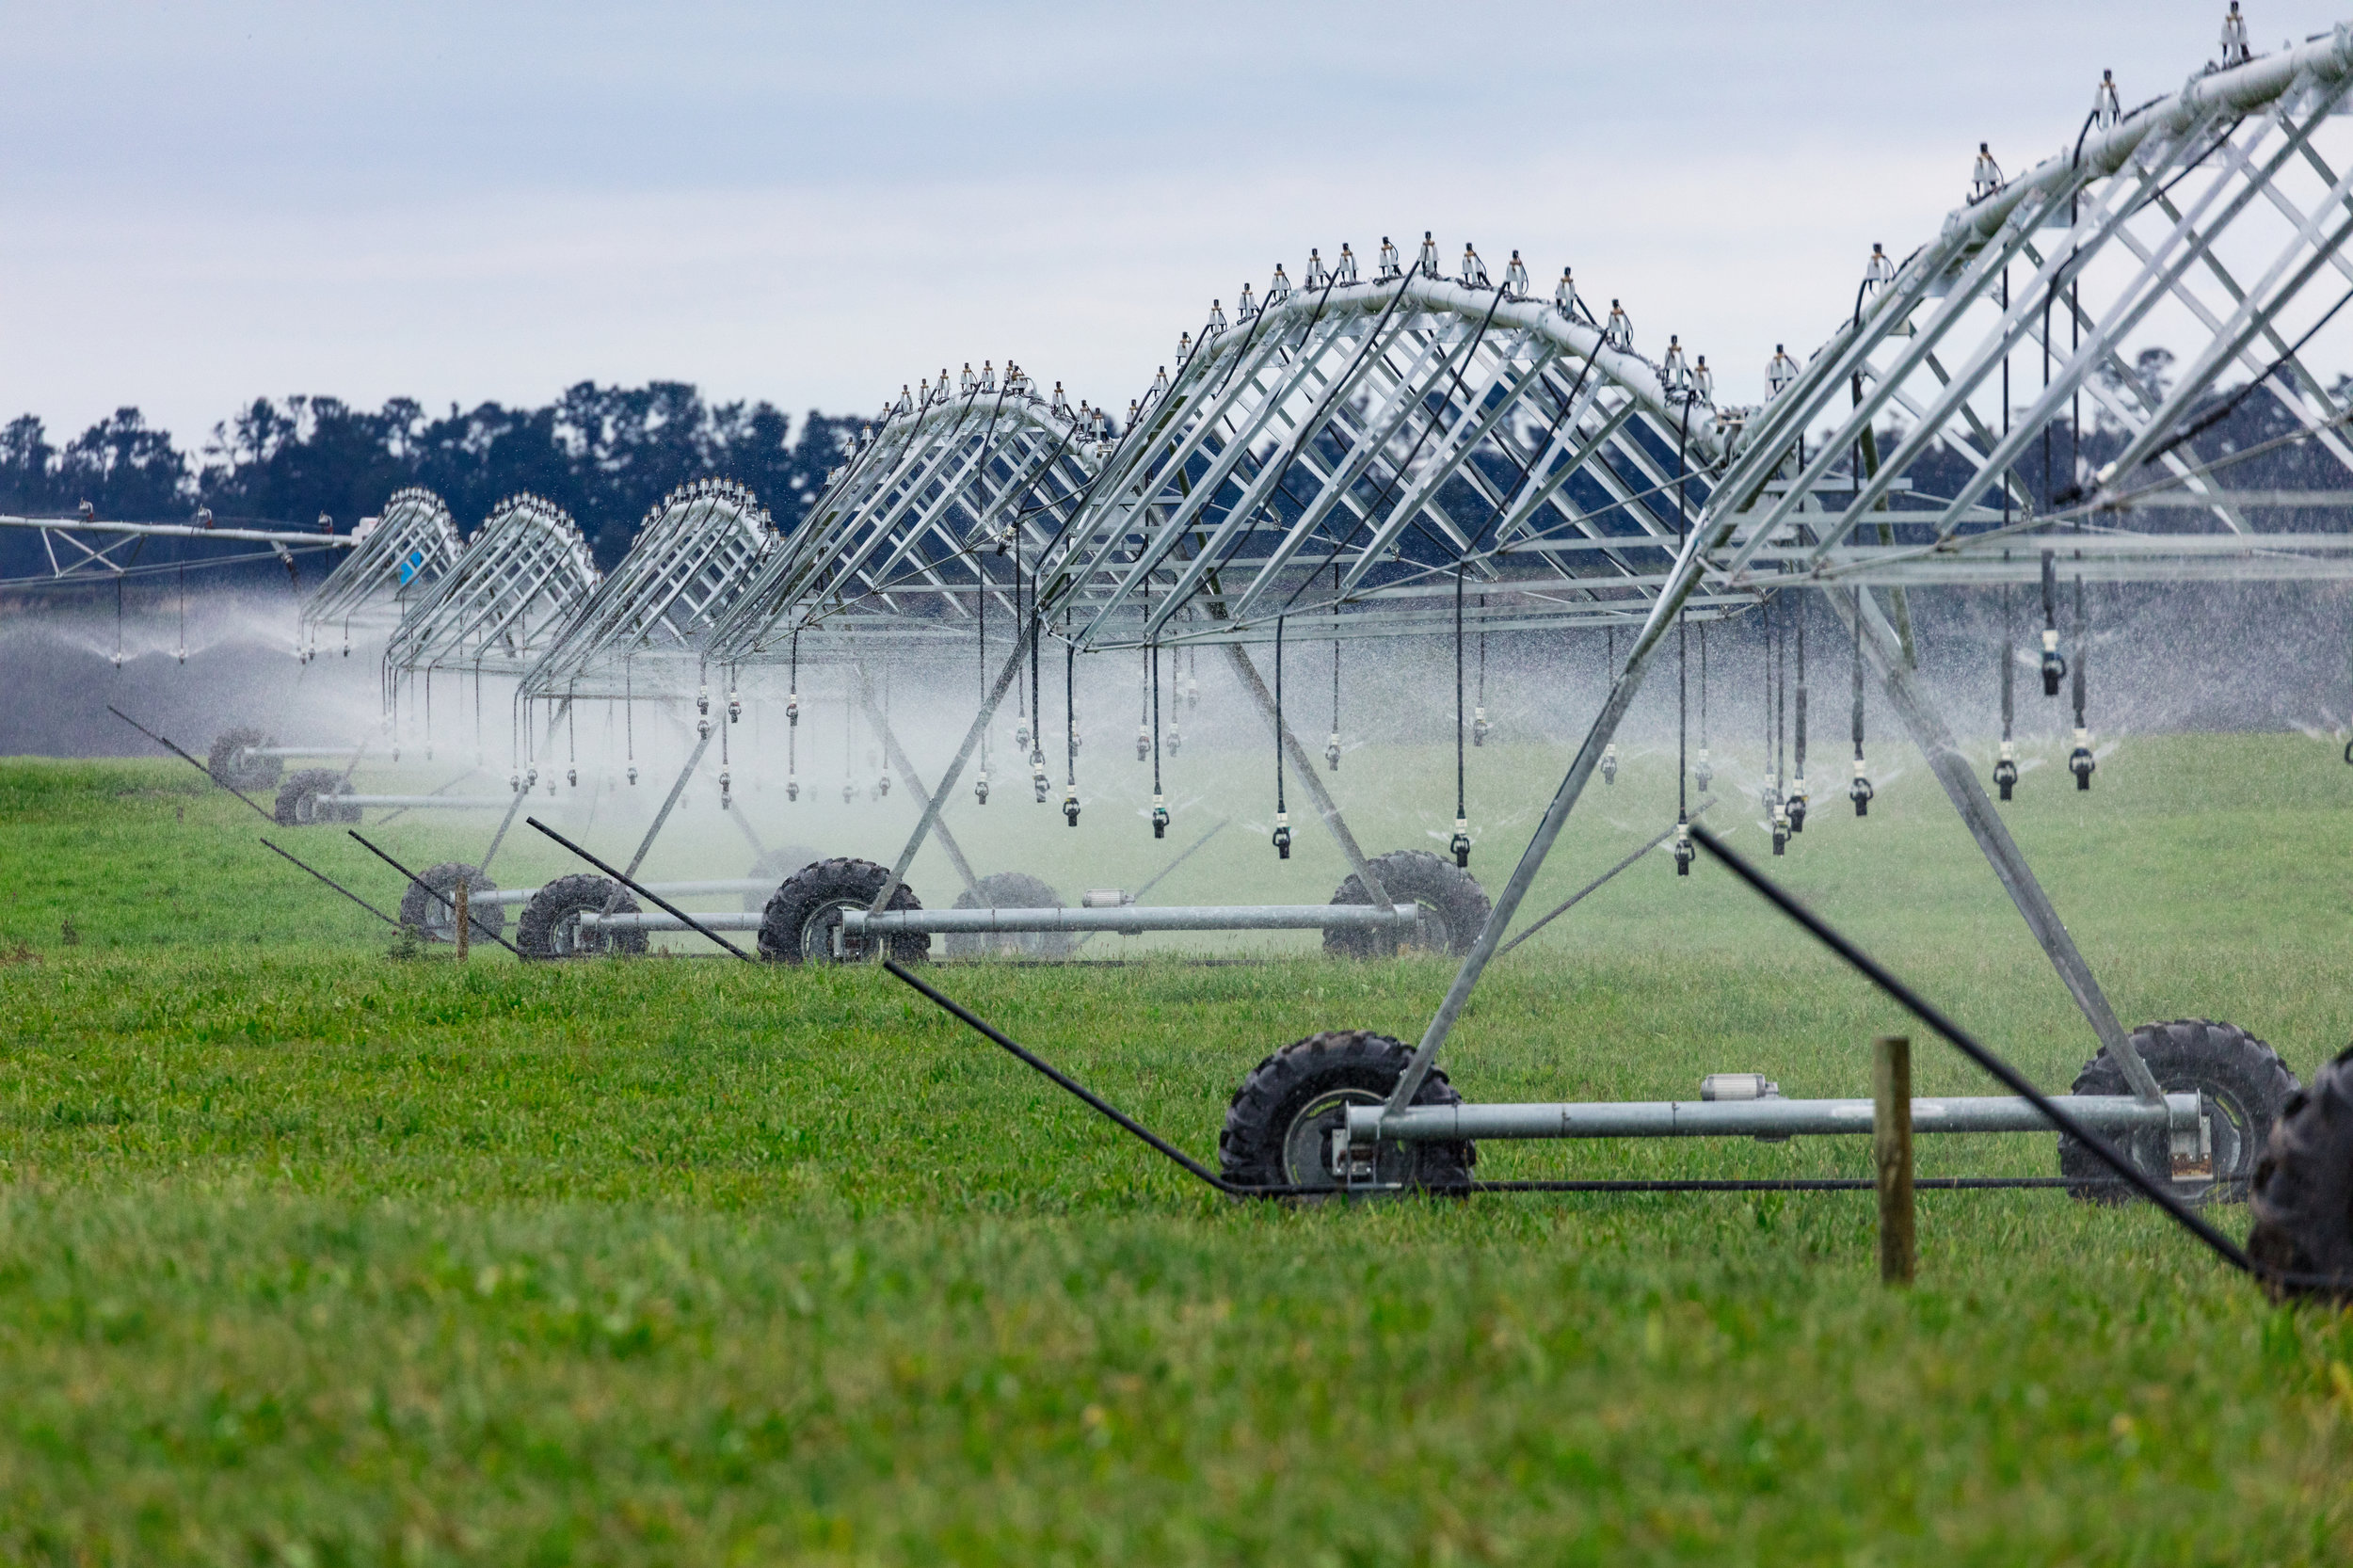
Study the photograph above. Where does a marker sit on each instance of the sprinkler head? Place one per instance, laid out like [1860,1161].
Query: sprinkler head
[849,792]
[882,786]
[1331,752]
[980,787]
[1282,838]
[2080,762]
[2005,771]
[791,788]
[2053,666]
[1781,831]
[735,706]
[1021,733]
[530,780]
[702,729]
[1685,851]
[1037,777]
[1859,791]
[1796,805]
[1143,742]
[632,775]
[792,710]
[1160,818]
[1193,690]
[514,783]
[703,700]
[1701,773]
[724,783]
[1460,845]
[1480,726]
[1070,806]
[1175,739]
[346,651]
[572,775]
[1610,763]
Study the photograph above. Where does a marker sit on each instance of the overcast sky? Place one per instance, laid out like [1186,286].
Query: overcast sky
[811,204]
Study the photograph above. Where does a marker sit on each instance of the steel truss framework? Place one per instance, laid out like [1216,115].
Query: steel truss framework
[647,622]
[960,498]
[2213,213]
[397,558]
[498,608]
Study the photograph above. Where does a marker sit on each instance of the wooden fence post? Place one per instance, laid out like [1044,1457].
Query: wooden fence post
[1891,1154]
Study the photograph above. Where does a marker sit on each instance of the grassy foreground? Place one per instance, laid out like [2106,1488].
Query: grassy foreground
[313,1255]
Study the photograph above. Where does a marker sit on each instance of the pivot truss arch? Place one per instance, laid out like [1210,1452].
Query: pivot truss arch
[696,553]
[2065,355]
[1345,453]
[400,554]
[957,495]
[496,610]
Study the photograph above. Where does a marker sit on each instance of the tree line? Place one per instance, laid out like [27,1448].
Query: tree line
[606,455]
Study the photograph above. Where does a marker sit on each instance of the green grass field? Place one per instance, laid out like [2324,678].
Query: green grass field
[310,1254]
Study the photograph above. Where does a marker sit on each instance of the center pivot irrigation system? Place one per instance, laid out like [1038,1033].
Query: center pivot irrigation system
[1411,446]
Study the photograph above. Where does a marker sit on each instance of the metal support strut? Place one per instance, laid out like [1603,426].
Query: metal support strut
[1304,769]
[1882,651]
[906,764]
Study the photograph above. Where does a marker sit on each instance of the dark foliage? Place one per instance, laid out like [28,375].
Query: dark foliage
[605,453]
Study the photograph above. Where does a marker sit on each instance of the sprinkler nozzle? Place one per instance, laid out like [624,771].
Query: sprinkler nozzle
[1175,739]
[1480,726]
[735,706]
[572,775]
[1859,791]
[1193,690]
[632,775]
[702,729]
[724,783]
[1685,851]
[703,700]
[882,785]
[1070,805]
[1160,818]
[1796,806]
[2005,771]
[980,787]
[1610,763]
[1037,776]
[849,792]
[1701,773]
[1021,733]
[514,783]
[1143,742]
[530,780]
[2053,666]
[1780,830]
[1331,752]
[791,788]
[2080,762]
[1460,845]
[1282,838]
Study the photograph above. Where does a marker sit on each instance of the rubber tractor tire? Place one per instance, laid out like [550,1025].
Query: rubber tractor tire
[2245,1085]
[550,924]
[436,921]
[1453,908]
[232,769]
[802,917]
[306,799]
[1011,891]
[2303,1192]
[1279,1125]
[773,867]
